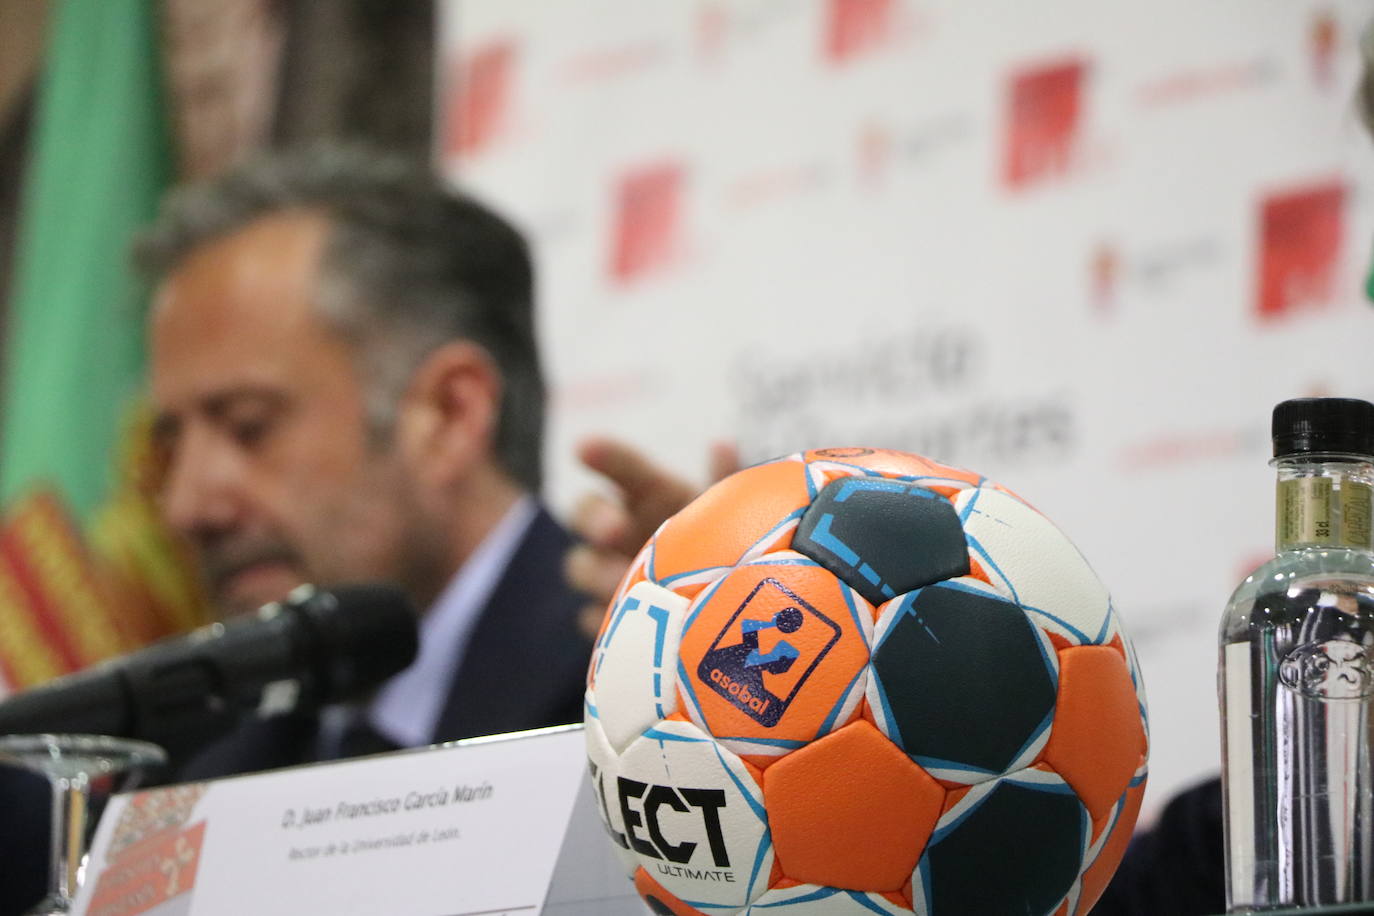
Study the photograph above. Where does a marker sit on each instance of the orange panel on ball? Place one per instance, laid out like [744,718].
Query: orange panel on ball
[1098,740]
[719,526]
[774,654]
[851,811]
[1099,874]
[660,901]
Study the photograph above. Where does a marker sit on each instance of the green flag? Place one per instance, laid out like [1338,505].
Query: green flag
[98,160]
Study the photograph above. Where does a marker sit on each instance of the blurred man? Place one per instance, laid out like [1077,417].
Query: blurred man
[345,385]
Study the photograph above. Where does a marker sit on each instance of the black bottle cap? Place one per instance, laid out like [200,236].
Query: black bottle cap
[1305,426]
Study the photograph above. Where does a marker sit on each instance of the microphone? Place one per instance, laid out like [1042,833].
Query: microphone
[318,646]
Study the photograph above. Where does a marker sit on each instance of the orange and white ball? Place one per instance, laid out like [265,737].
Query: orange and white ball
[858,681]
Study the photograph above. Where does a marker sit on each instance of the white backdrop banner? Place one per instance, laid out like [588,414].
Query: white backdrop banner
[1080,247]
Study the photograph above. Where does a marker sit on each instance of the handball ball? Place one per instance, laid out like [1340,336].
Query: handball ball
[855,681]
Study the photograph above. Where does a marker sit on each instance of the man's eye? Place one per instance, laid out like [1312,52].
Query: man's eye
[246,421]
[249,432]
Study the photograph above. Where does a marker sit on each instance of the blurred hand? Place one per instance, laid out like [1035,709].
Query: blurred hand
[613,528]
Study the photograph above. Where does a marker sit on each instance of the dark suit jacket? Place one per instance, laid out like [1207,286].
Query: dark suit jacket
[524,667]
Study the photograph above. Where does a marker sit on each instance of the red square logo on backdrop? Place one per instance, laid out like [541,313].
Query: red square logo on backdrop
[1043,122]
[1300,248]
[856,26]
[647,214]
[480,100]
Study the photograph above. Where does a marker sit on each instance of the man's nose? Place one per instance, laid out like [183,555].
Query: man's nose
[201,490]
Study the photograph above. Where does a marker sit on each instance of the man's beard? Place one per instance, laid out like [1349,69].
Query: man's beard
[417,562]
[221,561]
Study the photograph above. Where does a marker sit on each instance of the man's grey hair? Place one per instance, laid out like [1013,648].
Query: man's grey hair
[408,266]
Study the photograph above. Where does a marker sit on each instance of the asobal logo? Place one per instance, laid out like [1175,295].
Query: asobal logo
[638,809]
[767,650]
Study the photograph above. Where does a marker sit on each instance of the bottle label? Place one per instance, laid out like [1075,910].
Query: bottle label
[1307,512]
[1304,511]
[1355,512]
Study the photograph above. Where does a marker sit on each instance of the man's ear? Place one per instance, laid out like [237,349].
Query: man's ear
[451,410]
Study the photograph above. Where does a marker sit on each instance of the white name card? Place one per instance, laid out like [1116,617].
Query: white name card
[467,829]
